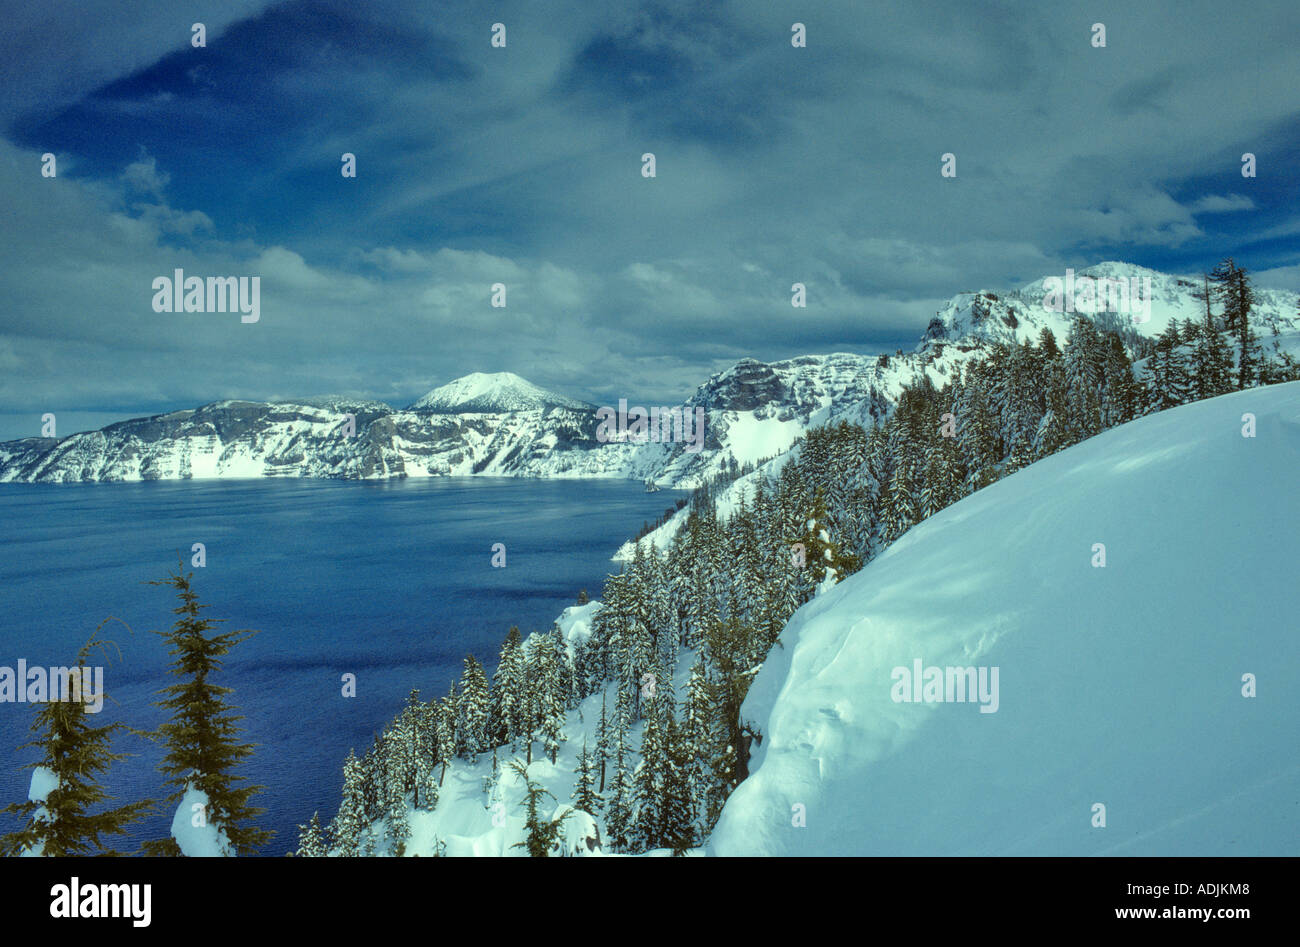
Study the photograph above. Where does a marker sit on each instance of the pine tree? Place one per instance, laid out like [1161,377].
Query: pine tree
[618,812]
[508,683]
[585,796]
[1233,288]
[542,836]
[311,839]
[1212,359]
[350,821]
[646,831]
[548,689]
[493,777]
[602,742]
[200,740]
[60,822]
[473,710]
[676,804]
[444,723]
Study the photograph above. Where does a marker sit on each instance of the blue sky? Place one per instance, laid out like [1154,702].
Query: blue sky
[521,165]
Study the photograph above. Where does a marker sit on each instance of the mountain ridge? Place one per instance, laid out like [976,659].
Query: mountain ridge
[500,424]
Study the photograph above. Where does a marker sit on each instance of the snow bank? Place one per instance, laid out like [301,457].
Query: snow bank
[1120,685]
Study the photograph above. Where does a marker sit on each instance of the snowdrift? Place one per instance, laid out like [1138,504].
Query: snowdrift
[1121,685]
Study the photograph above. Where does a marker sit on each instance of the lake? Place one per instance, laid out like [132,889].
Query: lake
[392,581]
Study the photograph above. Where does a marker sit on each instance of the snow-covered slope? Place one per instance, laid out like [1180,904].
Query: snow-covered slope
[1119,686]
[497,393]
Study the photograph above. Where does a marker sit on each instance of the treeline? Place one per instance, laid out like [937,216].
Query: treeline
[726,585]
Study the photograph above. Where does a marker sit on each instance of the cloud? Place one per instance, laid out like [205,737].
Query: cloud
[522,166]
[1221,204]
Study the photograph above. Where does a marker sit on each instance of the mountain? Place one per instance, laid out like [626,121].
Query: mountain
[497,393]
[1119,685]
[503,425]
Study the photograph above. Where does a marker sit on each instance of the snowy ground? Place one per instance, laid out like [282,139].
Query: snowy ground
[1119,686]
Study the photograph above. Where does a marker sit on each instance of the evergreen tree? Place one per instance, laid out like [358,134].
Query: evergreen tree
[508,682]
[1212,359]
[1233,288]
[311,839]
[618,812]
[677,805]
[473,710]
[350,821]
[602,742]
[542,836]
[585,796]
[74,755]
[200,738]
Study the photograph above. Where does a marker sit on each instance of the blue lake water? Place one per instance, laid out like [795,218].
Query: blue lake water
[390,581]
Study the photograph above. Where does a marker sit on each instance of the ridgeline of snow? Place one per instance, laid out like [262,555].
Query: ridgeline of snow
[495,393]
[1119,685]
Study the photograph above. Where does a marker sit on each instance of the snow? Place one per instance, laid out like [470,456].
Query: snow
[44,782]
[492,393]
[1121,685]
[753,439]
[198,841]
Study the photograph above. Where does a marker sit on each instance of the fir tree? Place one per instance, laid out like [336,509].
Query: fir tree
[542,836]
[311,839]
[473,710]
[602,742]
[350,821]
[508,683]
[74,756]
[585,796]
[200,738]
[1234,290]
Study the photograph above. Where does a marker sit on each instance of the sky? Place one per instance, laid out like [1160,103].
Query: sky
[522,165]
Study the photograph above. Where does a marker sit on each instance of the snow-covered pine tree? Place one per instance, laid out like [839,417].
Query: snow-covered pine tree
[602,742]
[397,776]
[646,830]
[508,682]
[350,820]
[618,811]
[202,752]
[699,739]
[547,688]
[676,804]
[1083,358]
[311,839]
[444,723]
[585,796]
[542,836]
[1212,357]
[65,787]
[473,709]
[1233,288]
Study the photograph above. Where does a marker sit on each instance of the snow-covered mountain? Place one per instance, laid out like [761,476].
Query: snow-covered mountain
[496,393]
[502,425]
[1129,685]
